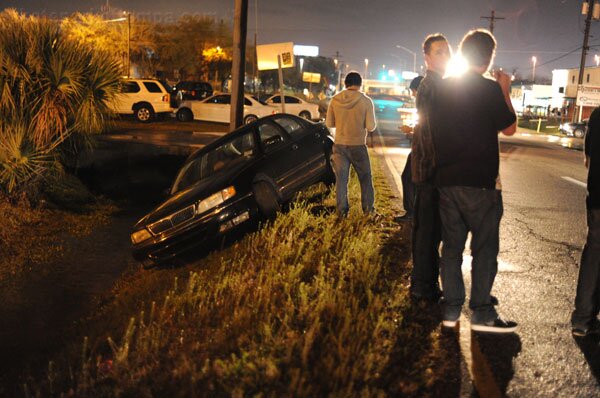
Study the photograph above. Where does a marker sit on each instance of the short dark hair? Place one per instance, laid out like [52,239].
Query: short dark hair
[429,40]
[415,83]
[353,79]
[478,47]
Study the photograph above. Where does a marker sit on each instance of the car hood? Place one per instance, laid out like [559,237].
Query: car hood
[191,195]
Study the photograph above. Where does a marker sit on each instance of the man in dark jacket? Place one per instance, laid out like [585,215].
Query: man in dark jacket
[471,110]
[587,302]
[426,223]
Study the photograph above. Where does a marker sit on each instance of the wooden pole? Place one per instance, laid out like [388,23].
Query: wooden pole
[281,94]
[240,29]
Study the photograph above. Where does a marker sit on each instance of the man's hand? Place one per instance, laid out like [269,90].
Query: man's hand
[503,80]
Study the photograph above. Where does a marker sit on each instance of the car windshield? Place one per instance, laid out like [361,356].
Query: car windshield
[254,97]
[226,156]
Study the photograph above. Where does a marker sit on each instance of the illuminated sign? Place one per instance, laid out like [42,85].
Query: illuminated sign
[267,55]
[306,51]
[311,77]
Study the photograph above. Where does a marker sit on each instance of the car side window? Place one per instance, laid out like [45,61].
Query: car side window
[247,102]
[130,87]
[222,99]
[290,125]
[276,100]
[291,100]
[152,87]
[271,136]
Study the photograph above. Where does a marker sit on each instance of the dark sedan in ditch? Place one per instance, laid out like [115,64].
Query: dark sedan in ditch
[247,174]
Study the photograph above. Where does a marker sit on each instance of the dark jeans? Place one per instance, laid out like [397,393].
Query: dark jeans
[587,301]
[358,157]
[408,188]
[426,238]
[464,209]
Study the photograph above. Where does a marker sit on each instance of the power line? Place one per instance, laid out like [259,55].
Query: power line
[492,19]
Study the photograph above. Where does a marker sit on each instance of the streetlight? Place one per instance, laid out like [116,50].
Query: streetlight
[301,64]
[414,54]
[366,67]
[534,61]
[597,59]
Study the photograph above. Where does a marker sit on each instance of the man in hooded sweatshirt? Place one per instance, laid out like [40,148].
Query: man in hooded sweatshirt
[352,115]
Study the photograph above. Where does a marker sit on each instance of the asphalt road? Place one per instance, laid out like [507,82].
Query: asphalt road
[542,233]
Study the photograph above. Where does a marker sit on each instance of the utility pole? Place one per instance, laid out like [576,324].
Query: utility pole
[240,29]
[338,66]
[587,9]
[128,44]
[492,19]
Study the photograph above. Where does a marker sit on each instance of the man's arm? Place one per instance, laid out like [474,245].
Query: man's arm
[370,122]
[330,119]
[504,81]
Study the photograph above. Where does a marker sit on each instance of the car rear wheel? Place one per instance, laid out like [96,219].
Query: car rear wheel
[306,115]
[143,113]
[266,199]
[184,115]
[579,133]
[249,119]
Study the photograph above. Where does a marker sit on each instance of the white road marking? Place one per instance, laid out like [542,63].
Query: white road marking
[576,182]
[388,161]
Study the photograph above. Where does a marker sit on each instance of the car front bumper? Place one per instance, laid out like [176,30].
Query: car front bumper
[181,240]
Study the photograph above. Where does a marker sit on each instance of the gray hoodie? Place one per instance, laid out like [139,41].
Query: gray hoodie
[352,114]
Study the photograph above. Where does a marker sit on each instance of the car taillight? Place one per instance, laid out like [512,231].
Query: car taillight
[166,98]
[193,93]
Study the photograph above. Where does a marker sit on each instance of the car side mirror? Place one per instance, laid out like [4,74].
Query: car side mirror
[273,140]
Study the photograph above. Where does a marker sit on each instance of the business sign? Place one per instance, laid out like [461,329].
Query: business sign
[311,77]
[588,96]
[267,55]
[306,51]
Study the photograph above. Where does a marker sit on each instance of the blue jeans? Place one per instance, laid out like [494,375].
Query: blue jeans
[408,188]
[464,209]
[587,301]
[358,157]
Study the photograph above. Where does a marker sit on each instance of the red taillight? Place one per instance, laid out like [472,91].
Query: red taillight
[166,98]
[193,93]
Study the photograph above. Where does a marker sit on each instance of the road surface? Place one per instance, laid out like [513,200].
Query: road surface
[542,233]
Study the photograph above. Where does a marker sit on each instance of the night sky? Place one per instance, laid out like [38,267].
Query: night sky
[361,29]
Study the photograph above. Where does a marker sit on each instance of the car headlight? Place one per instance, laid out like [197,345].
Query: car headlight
[215,200]
[140,236]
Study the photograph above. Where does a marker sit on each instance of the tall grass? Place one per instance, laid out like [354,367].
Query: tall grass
[310,305]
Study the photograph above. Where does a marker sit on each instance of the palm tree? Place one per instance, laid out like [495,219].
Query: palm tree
[52,90]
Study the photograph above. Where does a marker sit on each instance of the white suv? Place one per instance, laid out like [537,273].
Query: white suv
[144,98]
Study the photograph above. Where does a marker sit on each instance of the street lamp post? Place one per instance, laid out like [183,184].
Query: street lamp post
[366,67]
[597,59]
[414,54]
[534,61]
[128,43]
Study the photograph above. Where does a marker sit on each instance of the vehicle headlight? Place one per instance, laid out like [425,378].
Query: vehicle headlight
[215,200]
[140,236]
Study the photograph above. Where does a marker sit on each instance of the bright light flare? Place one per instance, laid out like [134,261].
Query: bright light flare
[457,66]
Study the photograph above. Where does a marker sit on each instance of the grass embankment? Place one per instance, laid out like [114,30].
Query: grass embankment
[310,305]
[31,237]
[546,126]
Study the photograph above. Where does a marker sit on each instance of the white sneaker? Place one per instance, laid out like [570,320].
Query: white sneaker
[497,325]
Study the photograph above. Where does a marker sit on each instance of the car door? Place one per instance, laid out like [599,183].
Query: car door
[308,148]
[293,105]
[127,96]
[282,159]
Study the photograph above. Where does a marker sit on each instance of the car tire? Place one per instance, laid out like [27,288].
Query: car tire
[266,199]
[305,115]
[578,133]
[184,115]
[143,113]
[250,118]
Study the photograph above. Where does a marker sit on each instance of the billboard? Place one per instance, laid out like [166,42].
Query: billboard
[267,55]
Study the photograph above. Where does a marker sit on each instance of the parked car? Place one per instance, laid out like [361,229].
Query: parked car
[574,129]
[143,98]
[218,107]
[189,90]
[246,174]
[295,106]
